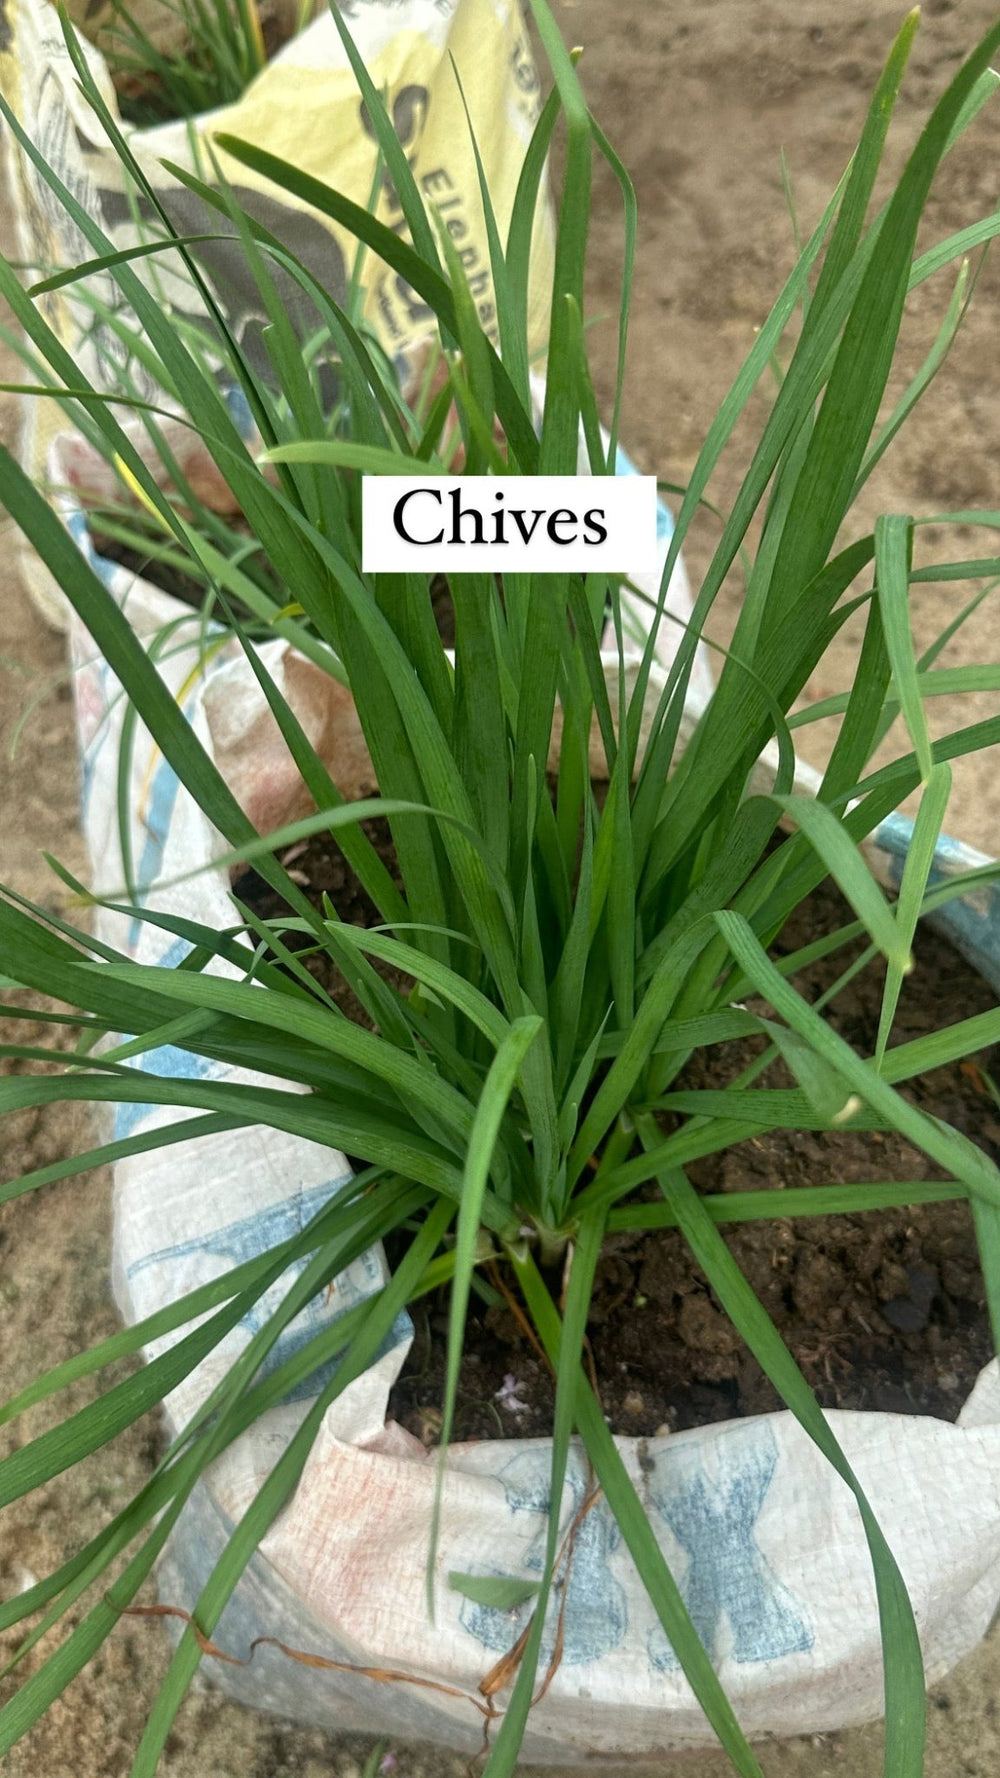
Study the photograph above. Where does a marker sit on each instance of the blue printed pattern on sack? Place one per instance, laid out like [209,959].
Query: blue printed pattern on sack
[972,921]
[711,1514]
[167,1060]
[79,529]
[248,1238]
[156,820]
[728,1578]
[664,517]
[594,1611]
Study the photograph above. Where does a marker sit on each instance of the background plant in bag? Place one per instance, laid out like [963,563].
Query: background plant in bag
[188,56]
[304,104]
[567,956]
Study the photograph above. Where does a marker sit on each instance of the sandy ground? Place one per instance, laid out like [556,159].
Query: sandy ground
[700,98]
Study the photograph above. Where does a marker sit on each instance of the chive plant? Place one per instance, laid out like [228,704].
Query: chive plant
[569,951]
[220,48]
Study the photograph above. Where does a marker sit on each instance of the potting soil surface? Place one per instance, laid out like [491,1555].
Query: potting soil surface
[883,1309]
[173,580]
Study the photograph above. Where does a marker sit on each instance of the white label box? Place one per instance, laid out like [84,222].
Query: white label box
[529,524]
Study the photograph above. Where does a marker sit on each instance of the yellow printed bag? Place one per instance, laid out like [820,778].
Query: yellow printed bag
[305,107]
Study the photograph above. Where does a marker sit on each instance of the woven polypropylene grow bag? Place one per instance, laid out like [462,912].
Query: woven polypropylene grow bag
[765,1540]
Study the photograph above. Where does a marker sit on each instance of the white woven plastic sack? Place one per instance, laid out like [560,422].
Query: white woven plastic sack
[764,1539]
[304,107]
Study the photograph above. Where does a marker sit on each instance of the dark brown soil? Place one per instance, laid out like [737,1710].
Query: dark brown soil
[143,99]
[444,610]
[159,574]
[883,1309]
[194,593]
[320,868]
